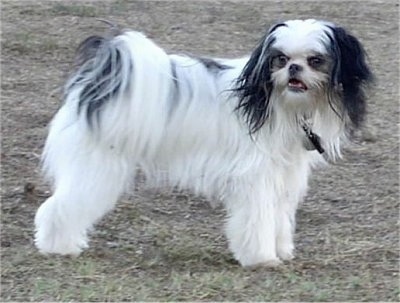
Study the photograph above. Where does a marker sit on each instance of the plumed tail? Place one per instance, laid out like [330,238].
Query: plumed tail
[104,70]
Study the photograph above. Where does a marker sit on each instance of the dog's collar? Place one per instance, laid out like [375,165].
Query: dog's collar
[311,141]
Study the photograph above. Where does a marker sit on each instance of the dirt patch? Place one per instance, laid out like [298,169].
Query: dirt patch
[169,245]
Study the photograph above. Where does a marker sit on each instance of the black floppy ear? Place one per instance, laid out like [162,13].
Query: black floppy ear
[254,85]
[351,73]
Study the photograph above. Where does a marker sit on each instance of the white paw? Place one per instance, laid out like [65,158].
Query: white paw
[251,260]
[48,245]
[56,235]
[286,252]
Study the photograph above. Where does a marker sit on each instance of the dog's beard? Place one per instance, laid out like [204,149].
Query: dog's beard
[300,93]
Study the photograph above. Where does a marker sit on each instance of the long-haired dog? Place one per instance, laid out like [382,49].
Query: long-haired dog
[244,131]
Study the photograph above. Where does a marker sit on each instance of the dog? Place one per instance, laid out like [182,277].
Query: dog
[244,131]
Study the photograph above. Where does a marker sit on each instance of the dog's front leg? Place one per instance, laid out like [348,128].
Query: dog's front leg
[295,188]
[251,226]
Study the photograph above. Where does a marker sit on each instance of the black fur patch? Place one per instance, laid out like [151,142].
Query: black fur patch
[99,66]
[181,86]
[350,74]
[212,64]
[174,75]
[92,93]
[87,49]
[254,88]
[175,91]
[254,85]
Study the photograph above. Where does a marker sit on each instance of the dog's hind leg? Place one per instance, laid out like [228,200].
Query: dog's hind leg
[88,177]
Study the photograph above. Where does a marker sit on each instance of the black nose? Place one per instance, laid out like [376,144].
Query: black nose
[294,69]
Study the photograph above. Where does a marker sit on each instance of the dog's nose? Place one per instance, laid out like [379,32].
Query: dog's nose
[294,69]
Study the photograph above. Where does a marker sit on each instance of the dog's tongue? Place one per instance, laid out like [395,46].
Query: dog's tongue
[294,83]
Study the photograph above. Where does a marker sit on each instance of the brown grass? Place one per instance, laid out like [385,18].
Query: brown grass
[168,246]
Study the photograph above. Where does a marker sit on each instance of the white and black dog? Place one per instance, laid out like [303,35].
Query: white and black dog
[243,131]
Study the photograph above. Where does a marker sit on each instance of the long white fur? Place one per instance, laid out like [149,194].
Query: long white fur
[196,140]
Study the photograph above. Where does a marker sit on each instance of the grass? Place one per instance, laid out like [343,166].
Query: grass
[171,270]
[170,247]
[76,10]
[28,43]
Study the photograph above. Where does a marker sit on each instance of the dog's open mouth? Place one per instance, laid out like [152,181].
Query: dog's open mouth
[296,85]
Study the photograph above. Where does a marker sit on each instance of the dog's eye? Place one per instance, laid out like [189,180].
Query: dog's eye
[281,60]
[315,61]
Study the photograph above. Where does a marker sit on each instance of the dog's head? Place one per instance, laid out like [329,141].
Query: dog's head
[299,63]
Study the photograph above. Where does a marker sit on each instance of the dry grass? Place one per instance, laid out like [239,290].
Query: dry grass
[168,246]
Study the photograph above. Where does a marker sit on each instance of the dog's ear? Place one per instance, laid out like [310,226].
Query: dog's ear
[254,85]
[350,73]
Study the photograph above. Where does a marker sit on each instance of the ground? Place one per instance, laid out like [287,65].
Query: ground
[169,245]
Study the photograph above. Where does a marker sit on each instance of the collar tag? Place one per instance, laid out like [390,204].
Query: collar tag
[312,138]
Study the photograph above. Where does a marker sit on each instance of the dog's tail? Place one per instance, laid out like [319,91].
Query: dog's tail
[104,68]
[113,70]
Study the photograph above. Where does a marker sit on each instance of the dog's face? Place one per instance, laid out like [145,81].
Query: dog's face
[299,63]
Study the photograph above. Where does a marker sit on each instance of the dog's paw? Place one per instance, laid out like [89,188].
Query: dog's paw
[51,244]
[285,252]
[285,249]
[56,235]
[286,255]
